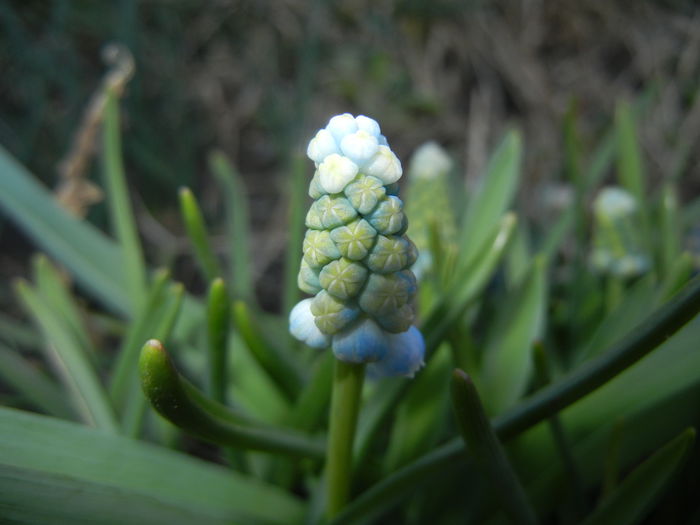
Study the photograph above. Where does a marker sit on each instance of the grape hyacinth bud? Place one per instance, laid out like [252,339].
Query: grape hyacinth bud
[356,255]
[428,202]
[617,245]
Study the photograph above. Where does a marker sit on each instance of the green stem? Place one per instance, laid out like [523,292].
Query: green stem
[345,405]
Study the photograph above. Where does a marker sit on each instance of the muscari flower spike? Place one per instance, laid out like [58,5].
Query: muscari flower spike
[617,245]
[357,258]
[428,201]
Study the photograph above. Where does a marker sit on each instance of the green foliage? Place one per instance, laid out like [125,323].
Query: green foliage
[497,294]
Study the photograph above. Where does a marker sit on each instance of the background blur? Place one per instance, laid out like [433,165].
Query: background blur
[256,78]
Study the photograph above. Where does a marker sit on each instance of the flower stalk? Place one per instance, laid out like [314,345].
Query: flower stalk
[345,406]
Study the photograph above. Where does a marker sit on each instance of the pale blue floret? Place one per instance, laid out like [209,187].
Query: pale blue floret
[369,125]
[303,327]
[364,342]
[322,145]
[359,147]
[404,356]
[342,125]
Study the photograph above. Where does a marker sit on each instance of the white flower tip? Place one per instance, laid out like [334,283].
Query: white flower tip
[342,125]
[359,146]
[335,172]
[385,165]
[322,145]
[303,327]
[368,124]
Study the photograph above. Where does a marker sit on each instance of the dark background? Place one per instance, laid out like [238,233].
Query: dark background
[256,78]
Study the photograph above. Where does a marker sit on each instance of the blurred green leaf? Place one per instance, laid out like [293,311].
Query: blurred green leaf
[639,301]
[65,353]
[39,390]
[630,165]
[483,445]
[280,367]
[297,200]
[122,214]
[508,363]
[197,233]
[633,499]
[218,324]
[52,287]
[671,234]
[124,374]
[53,458]
[492,197]
[135,406]
[421,414]
[237,225]
[94,260]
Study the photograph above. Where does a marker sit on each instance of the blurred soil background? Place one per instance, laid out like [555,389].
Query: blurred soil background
[256,78]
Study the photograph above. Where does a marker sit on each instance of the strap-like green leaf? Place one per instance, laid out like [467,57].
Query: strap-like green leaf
[121,212]
[69,358]
[94,260]
[43,461]
[493,196]
[507,353]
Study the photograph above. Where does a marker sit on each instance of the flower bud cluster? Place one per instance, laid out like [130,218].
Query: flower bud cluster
[617,244]
[356,255]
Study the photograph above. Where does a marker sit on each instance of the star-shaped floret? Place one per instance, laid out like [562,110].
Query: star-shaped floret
[343,278]
[307,280]
[331,212]
[384,294]
[319,248]
[364,192]
[354,240]
[388,217]
[390,254]
[330,314]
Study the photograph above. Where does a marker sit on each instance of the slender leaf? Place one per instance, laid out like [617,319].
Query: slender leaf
[484,446]
[55,457]
[74,367]
[218,321]
[634,498]
[297,198]
[135,403]
[197,233]
[238,225]
[629,157]
[121,212]
[52,287]
[508,360]
[493,196]
[670,229]
[281,369]
[124,374]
